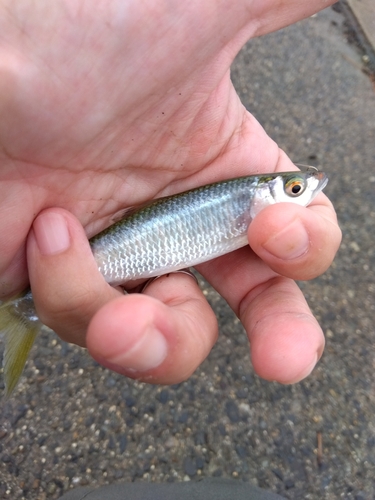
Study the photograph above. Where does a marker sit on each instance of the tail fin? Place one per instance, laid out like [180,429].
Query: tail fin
[20,324]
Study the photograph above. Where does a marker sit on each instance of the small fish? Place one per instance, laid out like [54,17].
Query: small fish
[162,236]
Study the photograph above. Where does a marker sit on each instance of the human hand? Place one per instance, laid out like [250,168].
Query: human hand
[101,111]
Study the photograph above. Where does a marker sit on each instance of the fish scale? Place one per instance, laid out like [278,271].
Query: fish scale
[178,232]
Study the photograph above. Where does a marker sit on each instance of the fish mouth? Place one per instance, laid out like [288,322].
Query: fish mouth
[315,172]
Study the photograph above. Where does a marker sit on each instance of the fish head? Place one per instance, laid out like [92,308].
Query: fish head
[292,187]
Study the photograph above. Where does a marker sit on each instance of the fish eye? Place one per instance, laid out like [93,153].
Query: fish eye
[295,186]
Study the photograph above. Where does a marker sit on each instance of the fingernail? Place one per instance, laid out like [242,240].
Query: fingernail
[51,233]
[290,243]
[149,352]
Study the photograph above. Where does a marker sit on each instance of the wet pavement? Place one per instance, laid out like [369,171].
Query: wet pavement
[74,423]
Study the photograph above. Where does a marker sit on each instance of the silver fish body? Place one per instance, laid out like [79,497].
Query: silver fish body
[165,235]
[190,228]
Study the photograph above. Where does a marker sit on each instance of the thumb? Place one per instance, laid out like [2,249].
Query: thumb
[66,285]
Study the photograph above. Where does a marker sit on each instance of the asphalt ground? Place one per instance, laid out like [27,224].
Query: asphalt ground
[74,423]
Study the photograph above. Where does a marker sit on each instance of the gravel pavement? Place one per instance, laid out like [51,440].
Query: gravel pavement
[74,423]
